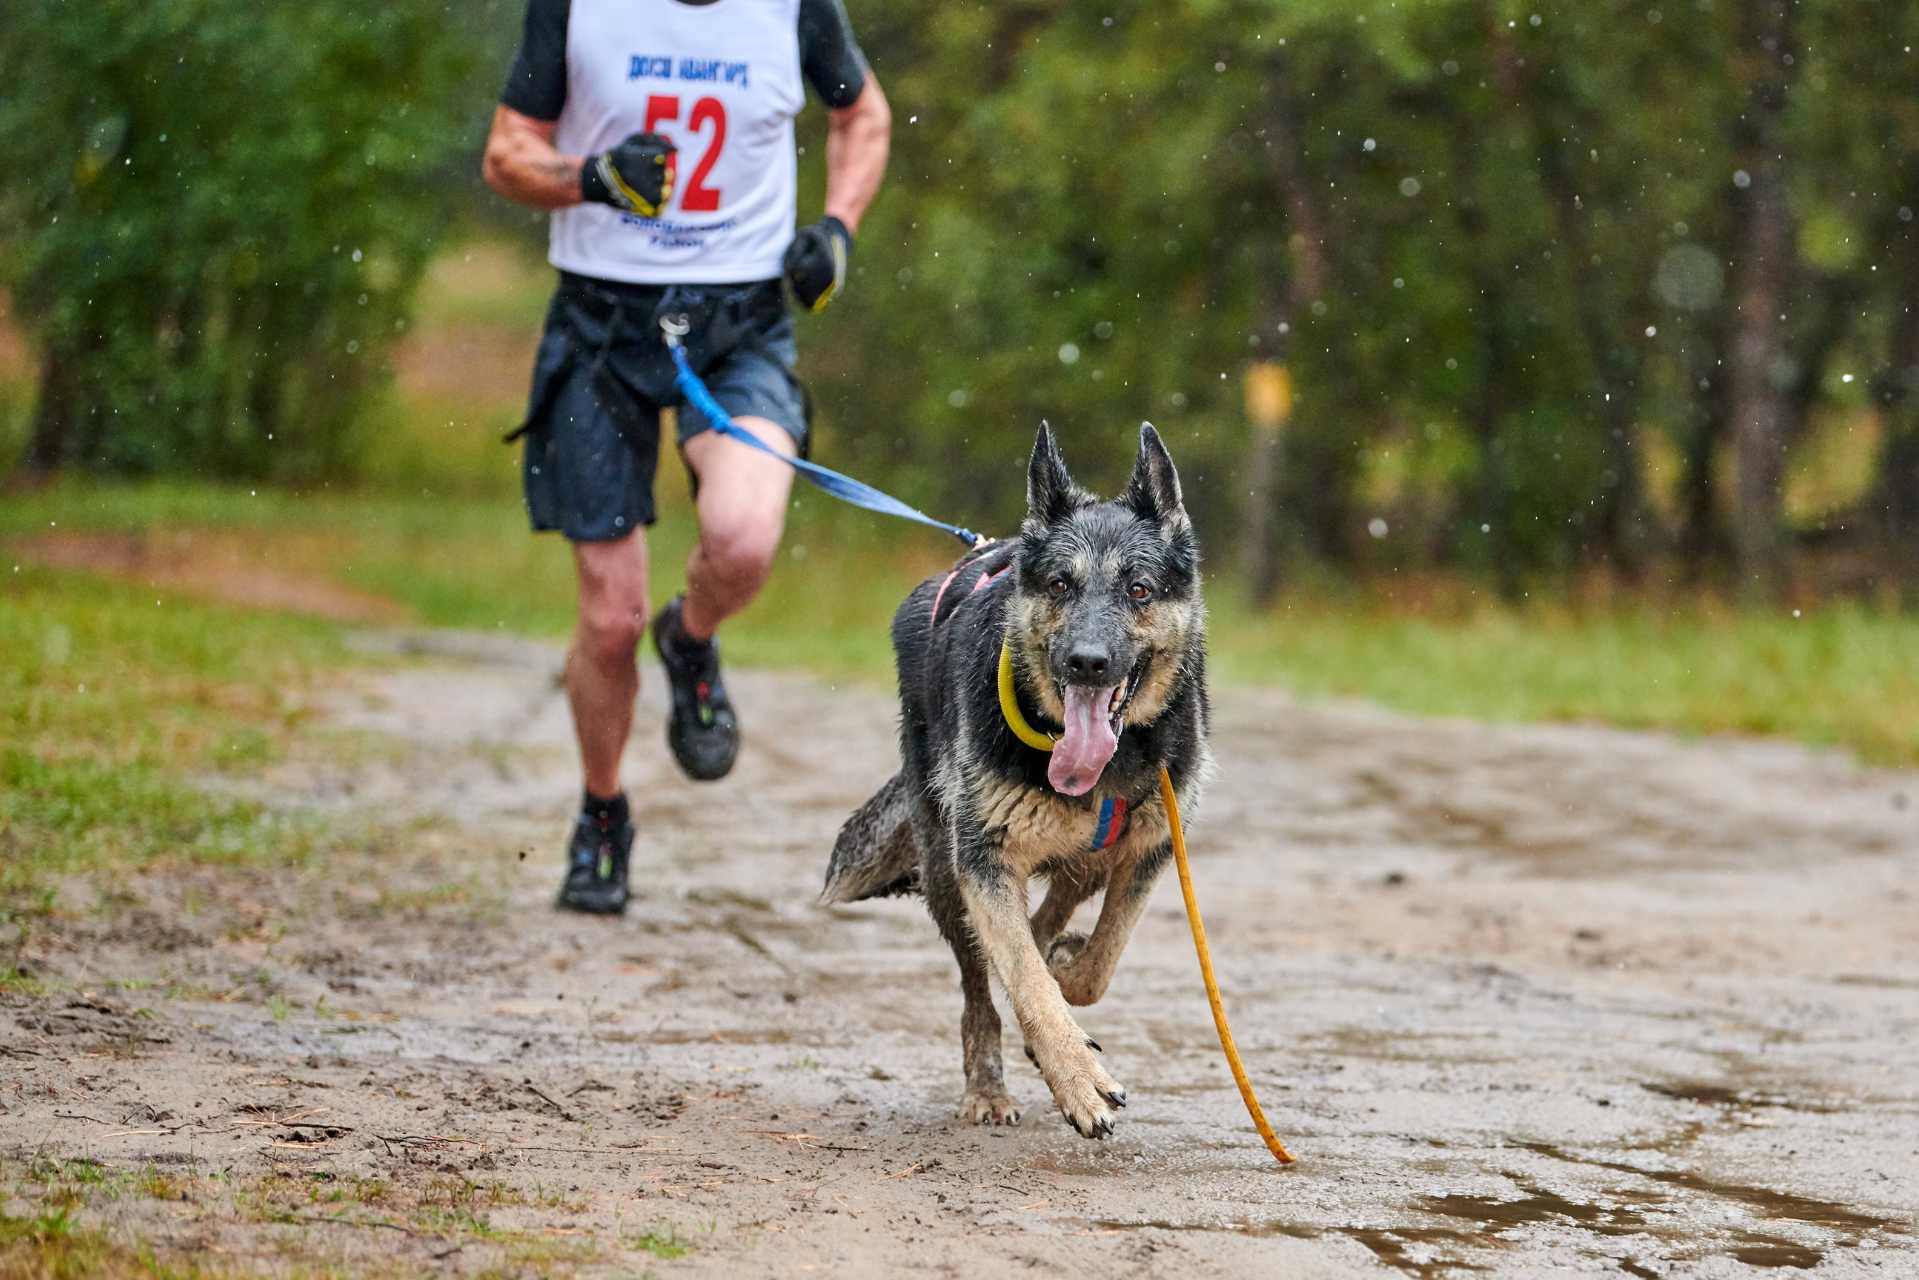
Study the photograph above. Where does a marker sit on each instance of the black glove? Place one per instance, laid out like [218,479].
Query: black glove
[636,176]
[816,262]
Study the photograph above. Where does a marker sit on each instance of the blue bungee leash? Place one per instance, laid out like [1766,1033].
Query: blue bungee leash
[673,328]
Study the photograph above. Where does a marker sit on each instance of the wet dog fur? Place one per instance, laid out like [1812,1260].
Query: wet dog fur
[1099,594]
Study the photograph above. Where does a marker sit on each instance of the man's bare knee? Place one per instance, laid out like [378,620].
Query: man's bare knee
[740,551]
[612,619]
[612,602]
[609,634]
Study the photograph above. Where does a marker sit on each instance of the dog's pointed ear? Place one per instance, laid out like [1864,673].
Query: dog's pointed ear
[1154,489]
[1049,489]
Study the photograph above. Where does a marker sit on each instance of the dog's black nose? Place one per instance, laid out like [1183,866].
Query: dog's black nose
[1088,662]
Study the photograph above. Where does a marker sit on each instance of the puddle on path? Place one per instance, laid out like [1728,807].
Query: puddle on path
[1781,1205]
[1712,1094]
[1537,1206]
[1393,1246]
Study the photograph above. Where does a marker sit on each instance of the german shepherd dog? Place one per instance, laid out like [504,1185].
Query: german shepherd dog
[1098,605]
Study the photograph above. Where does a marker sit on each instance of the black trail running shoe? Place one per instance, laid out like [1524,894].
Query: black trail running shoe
[596,859]
[703,731]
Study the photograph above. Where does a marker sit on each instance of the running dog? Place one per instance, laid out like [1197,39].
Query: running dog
[1096,608]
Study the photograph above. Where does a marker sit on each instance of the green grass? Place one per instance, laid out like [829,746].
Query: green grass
[1842,675]
[50,1211]
[464,561]
[486,282]
[52,1245]
[112,697]
[663,1243]
[430,445]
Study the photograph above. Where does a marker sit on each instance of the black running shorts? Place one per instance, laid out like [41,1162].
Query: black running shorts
[592,434]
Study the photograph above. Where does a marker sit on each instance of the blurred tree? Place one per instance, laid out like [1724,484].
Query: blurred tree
[1868,123]
[1766,55]
[1550,285]
[1510,256]
[217,212]
[1289,278]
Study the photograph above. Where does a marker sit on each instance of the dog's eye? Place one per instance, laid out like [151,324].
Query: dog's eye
[1058,585]
[1140,591]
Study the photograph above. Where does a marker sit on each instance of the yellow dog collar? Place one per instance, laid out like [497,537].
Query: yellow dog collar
[1009,706]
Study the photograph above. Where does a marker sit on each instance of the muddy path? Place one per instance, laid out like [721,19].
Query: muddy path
[1522,1000]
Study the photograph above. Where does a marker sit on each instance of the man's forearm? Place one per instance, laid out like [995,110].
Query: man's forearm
[545,182]
[857,141]
[522,164]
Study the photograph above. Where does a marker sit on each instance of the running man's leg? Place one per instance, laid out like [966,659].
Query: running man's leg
[742,513]
[588,474]
[740,496]
[602,673]
[741,506]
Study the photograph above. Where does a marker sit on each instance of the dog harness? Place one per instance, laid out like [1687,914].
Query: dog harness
[985,579]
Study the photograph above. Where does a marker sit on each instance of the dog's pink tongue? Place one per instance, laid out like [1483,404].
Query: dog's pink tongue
[1086,746]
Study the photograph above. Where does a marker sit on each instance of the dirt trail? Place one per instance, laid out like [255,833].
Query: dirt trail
[1522,1000]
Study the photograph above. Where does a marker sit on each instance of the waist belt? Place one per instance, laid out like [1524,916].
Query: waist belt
[614,327]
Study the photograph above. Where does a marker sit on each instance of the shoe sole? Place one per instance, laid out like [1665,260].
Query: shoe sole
[561,904]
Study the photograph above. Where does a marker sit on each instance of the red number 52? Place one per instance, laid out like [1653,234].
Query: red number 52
[697,197]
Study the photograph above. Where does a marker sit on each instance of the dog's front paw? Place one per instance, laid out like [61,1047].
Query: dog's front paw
[1086,1095]
[988,1106]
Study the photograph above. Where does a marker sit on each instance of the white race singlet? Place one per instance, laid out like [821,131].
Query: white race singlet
[722,80]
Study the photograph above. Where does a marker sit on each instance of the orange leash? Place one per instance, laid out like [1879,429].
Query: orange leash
[1273,1143]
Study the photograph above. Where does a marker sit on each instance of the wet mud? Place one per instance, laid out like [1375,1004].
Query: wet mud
[1523,1001]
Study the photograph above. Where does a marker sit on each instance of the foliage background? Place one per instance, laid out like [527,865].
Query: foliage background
[1509,251]
[1560,289]
[218,214]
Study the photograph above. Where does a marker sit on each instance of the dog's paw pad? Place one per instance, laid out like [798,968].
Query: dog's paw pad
[1064,950]
[988,1106]
[1030,1055]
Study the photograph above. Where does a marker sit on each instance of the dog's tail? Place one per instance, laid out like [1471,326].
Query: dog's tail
[876,855]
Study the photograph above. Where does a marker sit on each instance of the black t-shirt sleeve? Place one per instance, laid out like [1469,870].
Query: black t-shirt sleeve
[536,86]
[829,55]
